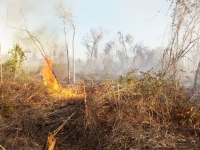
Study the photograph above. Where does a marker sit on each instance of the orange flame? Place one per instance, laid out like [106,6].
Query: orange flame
[49,78]
[51,81]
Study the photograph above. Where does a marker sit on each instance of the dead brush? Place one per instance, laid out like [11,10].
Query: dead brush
[137,113]
[138,104]
[189,118]
[21,113]
[29,94]
[35,114]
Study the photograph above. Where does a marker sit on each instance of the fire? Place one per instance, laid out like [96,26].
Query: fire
[50,80]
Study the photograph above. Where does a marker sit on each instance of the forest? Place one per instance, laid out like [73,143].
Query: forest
[124,95]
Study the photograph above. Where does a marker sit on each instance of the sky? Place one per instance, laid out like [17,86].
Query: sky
[145,20]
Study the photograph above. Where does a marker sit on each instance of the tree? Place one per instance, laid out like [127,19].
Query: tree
[108,59]
[36,42]
[91,42]
[108,48]
[129,39]
[16,57]
[184,37]
[123,53]
[121,40]
[74,29]
[67,17]
[140,55]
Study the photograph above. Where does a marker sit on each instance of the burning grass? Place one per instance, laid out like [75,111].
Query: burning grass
[140,112]
[53,85]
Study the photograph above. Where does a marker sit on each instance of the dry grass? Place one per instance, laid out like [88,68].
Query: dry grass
[140,112]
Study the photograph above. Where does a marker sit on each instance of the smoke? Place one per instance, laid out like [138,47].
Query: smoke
[41,20]
[38,17]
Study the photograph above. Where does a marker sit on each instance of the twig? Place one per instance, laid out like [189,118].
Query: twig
[51,139]
[37,43]
[2,147]
[62,125]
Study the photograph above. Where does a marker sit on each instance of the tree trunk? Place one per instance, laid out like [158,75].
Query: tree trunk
[195,85]
[68,69]
[74,80]
[1,84]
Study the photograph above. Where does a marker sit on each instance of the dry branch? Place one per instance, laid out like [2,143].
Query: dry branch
[51,139]
[37,43]
[2,147]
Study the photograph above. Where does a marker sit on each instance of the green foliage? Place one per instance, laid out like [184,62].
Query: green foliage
[198,113]
[129,78]
[16,57]
[149,84]
[14,63]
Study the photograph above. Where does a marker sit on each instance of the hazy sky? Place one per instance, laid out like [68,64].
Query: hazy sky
[140,18]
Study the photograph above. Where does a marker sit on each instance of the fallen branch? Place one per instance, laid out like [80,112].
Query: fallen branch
[2,147]
[51,139]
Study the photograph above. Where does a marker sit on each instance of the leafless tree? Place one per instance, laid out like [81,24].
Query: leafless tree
[91,42]
[123,52]
[67,18]
[121,40]
[34,39]
[129,39]
[184,34]
[108,58]
[74,29]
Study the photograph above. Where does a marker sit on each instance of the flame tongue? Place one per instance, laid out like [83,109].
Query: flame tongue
[49,78]
[52,83]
